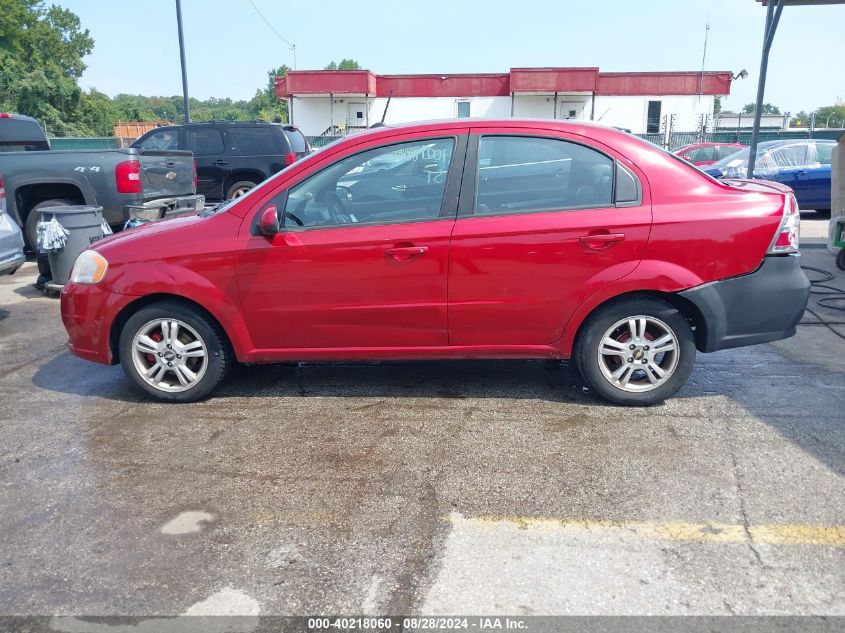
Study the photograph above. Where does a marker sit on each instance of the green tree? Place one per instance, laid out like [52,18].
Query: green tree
[345,64]
[41,52]
[831,116]
[265,105]
[768,108]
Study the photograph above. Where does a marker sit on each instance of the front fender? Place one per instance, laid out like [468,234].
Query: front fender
[218,299]
[650,275]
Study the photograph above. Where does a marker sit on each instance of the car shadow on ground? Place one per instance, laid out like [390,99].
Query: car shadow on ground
[514,379]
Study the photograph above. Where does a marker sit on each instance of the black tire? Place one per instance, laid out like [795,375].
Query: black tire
[33,217]
[218,354]
[840,259]
[586,353]
[242,186]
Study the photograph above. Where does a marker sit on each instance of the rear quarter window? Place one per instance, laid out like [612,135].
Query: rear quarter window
[257,141]
[297,141]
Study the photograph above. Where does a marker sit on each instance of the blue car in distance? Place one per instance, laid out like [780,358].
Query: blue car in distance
[801,164]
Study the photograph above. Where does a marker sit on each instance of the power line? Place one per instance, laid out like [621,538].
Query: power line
[272,28]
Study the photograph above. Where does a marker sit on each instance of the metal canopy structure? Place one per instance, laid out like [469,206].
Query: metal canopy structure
[774,8]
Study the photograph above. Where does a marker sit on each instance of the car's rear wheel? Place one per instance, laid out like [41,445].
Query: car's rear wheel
[636,351]
[173,352]
[239,188]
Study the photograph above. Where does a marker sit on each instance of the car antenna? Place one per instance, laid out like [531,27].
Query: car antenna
[384,114]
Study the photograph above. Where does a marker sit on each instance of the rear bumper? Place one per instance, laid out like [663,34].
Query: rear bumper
[760,307]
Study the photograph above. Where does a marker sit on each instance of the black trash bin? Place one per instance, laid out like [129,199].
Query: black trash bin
[84,225]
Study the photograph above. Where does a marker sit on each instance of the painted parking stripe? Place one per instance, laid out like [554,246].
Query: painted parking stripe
[711,532]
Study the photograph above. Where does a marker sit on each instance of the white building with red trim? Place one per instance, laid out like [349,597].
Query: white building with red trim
[326,101]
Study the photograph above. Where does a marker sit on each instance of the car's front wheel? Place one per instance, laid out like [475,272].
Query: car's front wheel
[173,352]
[636,351]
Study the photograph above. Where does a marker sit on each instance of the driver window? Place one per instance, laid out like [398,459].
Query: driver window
[397,183]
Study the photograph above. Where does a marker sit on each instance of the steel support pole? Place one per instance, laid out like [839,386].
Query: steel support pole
[182,57]
[773,11]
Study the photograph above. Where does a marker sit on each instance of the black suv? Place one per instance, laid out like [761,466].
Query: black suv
[232,156]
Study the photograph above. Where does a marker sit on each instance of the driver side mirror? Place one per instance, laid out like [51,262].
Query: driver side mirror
[268,221]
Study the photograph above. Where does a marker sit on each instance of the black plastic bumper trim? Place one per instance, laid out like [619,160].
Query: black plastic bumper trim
[760,307]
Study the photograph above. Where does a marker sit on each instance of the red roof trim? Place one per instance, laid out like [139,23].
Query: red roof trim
[545,80]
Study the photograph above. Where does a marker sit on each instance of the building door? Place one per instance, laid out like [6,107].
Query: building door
[570,109]
[652,124]
[357,115]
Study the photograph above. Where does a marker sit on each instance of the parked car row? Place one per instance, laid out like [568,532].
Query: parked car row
[457,239]
[231,156]
[121,181]
[803,165]
[170,169]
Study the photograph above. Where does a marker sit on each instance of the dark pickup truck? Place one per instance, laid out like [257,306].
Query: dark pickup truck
[125,182]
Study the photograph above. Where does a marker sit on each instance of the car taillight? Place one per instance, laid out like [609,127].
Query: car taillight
[290,159]
[196,180]
[128,176]
[787,238]
[2,189]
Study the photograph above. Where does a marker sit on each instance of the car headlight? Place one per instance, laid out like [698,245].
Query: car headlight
[90,268]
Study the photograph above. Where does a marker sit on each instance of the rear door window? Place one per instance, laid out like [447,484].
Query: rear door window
[160,140]
[258,141]
[21,135]
[203,141]
[521,174]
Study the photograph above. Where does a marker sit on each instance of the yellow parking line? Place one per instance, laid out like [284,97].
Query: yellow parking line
[711,532]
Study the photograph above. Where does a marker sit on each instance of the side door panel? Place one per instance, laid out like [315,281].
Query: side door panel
[515,278]
[211,155]
[352,286]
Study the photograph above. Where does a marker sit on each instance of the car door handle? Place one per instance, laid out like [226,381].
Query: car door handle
[399,187]
[598,241]
[220,162]
[801,172]
[404,253]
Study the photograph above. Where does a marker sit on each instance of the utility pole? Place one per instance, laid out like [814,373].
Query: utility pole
[182,56]
[773,11]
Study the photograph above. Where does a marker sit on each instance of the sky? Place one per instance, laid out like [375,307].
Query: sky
[229,48]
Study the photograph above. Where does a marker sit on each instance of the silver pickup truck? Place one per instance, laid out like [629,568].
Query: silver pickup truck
[125,182]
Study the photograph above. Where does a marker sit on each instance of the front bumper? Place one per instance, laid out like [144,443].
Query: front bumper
[88,312]
[163,207]
[763,306]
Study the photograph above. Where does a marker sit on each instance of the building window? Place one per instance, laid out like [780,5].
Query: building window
[463,109]
[653,117]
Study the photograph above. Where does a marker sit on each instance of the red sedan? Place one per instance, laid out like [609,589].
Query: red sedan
[700,154]
[456,239]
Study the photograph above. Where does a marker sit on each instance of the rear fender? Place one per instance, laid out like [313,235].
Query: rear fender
[650,275]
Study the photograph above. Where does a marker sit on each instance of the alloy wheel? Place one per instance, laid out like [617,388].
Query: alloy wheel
[169,355]
[638,353]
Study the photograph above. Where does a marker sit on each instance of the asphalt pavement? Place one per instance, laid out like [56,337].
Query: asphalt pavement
[436,488]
